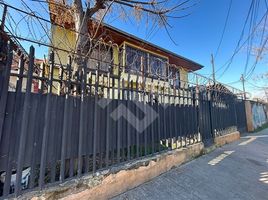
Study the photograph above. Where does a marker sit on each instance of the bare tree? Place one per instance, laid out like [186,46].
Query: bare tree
[257,47]
[158,11]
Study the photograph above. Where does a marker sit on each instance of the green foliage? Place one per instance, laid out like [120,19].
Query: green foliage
[261,128]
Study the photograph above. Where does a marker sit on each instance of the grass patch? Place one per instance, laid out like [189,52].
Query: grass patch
[261,128]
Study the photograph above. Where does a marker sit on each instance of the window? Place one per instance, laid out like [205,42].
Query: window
[157,66]
[136,60]
[174,76]
[93,60]
[101,58]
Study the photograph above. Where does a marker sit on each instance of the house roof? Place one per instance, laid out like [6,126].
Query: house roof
[120,36]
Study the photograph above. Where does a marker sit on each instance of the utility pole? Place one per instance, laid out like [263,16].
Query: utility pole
[243,83]
[266,94]
[3,18]
[213,69]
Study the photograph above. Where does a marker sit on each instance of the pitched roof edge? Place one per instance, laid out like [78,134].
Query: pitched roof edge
[199,66]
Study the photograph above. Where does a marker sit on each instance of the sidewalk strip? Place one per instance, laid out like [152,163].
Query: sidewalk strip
[264,177]
[220,158]
[248,141]
[259,136]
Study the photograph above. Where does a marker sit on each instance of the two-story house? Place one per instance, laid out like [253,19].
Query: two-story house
[117,49]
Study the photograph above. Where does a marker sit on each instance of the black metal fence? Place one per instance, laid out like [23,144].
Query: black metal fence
[50,135]
[241,115]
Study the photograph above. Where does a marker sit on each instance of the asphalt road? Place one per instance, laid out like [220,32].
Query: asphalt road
[236,171]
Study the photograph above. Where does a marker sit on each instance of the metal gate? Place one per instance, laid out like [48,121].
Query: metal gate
[205,125]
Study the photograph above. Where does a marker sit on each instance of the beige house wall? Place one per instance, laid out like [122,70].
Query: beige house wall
[65,39]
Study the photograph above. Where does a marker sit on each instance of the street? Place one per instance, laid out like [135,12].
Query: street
[236,171]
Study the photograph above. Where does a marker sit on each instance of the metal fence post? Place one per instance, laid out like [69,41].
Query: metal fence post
[4,17]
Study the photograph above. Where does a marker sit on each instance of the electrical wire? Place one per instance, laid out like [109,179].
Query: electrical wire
[256,86]
[224,28]
[259,53]
[239,41]
[250,41]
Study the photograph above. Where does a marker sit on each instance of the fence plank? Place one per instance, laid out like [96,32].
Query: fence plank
[95,126]
[152,117]
[52,138]
[102,132]
[119,124]
[145,132]
[37,128]
[7,136]
[65,121]
[81,120]
[137,116]
[4,90]
[24,123]
[47,122]
[114,124]
[108,110]
[12,134]
[21,70]
[128,101]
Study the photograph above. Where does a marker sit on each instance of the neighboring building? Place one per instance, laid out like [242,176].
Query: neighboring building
[120,49]
[18,51]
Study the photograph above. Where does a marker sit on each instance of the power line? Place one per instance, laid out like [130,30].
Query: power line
[256,86]
[224,28]
[257,59]
[233,82]
[251,35]
[250,41]
[259,53]
[239,41]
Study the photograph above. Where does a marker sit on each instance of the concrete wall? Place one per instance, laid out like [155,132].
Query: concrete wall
[115,181]
[259,116]
[226,139]
[256,114]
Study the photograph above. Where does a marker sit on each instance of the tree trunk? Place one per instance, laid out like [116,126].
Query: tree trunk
[81,32]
